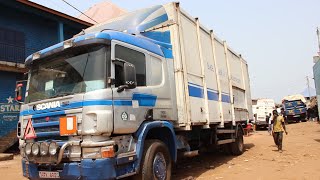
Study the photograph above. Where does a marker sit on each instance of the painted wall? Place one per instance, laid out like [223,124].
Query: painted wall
[37,32]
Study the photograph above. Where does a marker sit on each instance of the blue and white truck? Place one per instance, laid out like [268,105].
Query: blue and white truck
[295,109]
[127,97]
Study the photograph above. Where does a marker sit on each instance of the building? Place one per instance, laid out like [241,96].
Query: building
[102,12]
[25,27]
[316,77]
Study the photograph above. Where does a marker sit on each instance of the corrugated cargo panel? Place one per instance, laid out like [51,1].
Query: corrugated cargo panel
[204,60]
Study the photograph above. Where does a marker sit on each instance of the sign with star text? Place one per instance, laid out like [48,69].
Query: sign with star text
[9,111]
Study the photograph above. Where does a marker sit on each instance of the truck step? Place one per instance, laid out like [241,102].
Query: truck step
[225,131]
[226,141]
[191,153]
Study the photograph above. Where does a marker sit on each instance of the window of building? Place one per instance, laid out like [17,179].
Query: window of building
[136,58]
[12,45]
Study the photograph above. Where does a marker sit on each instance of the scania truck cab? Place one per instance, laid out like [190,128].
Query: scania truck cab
[84,90]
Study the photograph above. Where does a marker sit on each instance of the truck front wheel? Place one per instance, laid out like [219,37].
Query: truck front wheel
[156,161]
[237,147]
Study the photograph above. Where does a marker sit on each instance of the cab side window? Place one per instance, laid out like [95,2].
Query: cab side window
[136,58]
[155,71]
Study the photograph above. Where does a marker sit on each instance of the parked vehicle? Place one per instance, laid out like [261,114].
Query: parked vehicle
[295,108]
[114,103]
[262,108]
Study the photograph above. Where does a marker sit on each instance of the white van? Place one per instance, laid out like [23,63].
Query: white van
[262,108]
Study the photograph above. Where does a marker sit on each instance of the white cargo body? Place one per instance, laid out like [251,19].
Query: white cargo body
[212,81]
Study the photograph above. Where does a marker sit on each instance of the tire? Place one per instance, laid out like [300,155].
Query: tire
[156,162]
[237,148]
[257,127]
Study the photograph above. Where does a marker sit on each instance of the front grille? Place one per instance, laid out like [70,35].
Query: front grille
[47,127]
[46,119]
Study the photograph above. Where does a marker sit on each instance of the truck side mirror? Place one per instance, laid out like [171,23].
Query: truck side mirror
[18,92]
[129,74]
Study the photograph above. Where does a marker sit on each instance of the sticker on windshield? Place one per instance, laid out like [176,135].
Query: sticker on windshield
[124,116]
[49,85]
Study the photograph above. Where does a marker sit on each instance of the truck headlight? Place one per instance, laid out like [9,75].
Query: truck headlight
[44,148]
[35,149]
[53,148]
[27,149]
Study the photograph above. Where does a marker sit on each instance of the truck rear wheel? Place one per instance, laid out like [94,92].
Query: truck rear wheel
[237,147]
[156,161]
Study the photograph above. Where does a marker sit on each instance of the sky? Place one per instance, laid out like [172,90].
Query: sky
[277,38]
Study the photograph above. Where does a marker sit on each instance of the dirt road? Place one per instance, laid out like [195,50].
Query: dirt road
[261,160]
[300,159]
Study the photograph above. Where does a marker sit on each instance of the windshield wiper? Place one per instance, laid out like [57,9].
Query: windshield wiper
[61,94]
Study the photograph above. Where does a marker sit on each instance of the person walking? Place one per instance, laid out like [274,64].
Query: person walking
[270,124]
[284,115]
[278,129]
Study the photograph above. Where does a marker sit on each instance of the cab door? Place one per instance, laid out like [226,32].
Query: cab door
[131,106]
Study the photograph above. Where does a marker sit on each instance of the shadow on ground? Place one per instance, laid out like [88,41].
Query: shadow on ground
[191,168]
[318,140]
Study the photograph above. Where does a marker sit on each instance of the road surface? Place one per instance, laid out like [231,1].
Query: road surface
[261,160]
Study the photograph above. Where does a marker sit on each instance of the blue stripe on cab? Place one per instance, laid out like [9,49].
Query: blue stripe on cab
[97,103]
[145,99]
[167,53]
[122,103]
[48,114]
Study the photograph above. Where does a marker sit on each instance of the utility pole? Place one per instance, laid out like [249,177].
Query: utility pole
[308,86]
[318,35]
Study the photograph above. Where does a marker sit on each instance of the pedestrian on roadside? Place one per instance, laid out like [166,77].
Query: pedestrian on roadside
[283,114]
[278,129]
[270,124]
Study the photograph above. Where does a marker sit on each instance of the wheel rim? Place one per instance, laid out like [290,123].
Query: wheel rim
[159,166]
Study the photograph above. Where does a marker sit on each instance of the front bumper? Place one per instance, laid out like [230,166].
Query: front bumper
[90,169]
[261,123]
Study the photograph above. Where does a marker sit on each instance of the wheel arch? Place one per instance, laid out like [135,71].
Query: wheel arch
[239,127]
[161,130]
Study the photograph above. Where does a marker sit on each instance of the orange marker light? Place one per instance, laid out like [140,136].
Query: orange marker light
[107,152]
[68,125]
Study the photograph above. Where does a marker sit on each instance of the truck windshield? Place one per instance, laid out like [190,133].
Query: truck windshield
[82,70]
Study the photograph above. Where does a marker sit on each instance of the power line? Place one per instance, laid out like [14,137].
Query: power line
[78,10]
